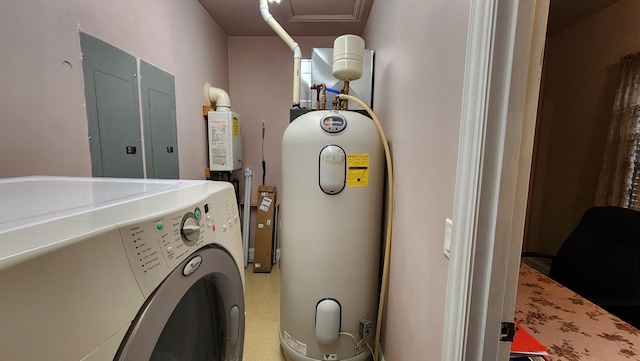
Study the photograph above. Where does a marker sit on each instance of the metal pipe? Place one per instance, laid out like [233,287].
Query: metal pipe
[345,90]
[246,214]
[322,89]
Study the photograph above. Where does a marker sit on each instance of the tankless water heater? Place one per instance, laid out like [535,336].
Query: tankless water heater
[225,142]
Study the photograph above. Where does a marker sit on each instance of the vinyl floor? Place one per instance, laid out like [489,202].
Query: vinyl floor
[262,306]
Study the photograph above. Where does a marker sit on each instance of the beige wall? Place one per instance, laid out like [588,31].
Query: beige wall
[44,123]
[420,55]
[261,88]
[580,79]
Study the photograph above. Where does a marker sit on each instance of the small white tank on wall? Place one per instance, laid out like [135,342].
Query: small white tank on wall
[331,225]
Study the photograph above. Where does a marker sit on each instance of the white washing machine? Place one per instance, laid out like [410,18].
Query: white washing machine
[120,269]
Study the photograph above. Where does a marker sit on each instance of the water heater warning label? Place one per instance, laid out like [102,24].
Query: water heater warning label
[236,128]
[358,170]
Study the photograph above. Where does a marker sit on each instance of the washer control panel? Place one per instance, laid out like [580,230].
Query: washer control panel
[157,245]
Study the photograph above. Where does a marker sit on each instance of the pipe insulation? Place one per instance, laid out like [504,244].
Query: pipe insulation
[297,53]
[218,97]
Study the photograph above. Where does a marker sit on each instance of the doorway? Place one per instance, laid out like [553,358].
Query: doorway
[499,116]
[502,74]
[580,76]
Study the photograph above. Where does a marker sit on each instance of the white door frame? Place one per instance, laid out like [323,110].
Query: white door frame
[502,78]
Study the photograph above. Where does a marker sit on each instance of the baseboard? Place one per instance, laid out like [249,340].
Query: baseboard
[537,264]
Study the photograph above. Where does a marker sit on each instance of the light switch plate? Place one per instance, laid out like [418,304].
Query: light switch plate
[447,237]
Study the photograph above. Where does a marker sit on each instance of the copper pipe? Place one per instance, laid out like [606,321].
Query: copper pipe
[345,90]
[323,99]
[315,87]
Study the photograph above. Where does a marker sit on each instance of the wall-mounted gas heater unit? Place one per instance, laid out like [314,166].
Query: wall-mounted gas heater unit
[225,143]
[223,127]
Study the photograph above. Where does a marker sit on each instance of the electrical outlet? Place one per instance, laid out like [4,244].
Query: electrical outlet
[448,227]
[365,328]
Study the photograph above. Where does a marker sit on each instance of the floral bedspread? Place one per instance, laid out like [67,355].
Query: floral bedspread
[571,327]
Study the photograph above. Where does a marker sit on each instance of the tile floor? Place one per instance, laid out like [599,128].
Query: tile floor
[262,306]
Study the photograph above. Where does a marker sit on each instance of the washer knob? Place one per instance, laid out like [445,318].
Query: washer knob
[190,229]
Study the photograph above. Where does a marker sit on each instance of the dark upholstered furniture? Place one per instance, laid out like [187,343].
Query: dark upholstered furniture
[600,260]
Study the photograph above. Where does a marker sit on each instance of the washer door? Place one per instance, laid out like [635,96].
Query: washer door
[196,314]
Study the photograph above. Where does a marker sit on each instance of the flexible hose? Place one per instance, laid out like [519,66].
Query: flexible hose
[387,247]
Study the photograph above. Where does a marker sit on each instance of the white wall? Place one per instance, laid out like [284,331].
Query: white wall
[420,55]
[44,123]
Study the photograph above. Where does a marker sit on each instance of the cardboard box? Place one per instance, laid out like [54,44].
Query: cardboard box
[265,229]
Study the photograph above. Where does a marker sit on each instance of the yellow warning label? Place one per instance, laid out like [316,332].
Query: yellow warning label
[358,170]
[236,127]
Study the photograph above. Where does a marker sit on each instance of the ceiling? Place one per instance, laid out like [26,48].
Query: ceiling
[338,17]
[297,17]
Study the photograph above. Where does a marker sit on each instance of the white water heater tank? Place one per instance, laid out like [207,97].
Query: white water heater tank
[331,231]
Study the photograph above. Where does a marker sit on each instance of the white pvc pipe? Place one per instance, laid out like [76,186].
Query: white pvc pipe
[297,53]
[246,214]
[218,96]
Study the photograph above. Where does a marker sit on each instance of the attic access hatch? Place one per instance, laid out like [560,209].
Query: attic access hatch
[326,10]
[297,17]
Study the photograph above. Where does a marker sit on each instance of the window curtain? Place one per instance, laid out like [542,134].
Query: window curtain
[619,182]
